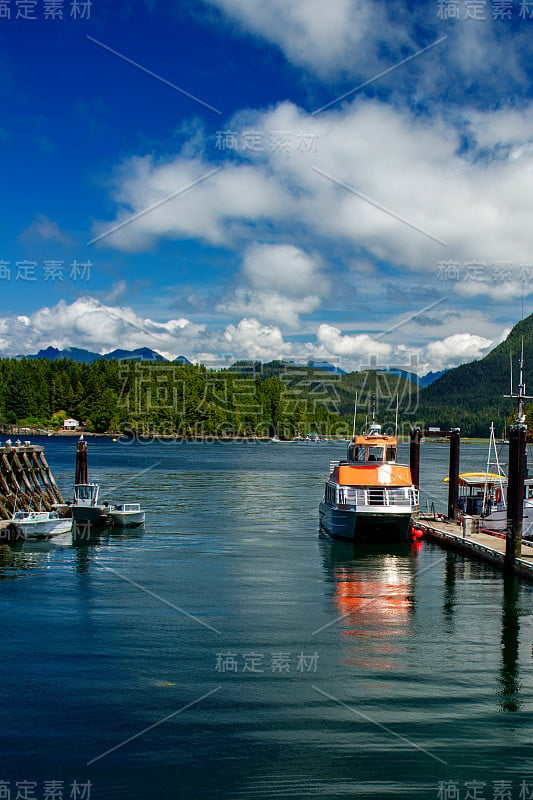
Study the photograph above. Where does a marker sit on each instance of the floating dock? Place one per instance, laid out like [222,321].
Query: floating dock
[26,481]
[488,547]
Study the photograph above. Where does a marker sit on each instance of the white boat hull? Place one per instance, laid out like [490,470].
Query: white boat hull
[126,519]
[35,528]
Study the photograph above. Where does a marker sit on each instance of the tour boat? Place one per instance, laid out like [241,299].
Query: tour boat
[41,524]
[85,507]
[127,514]
[369,495]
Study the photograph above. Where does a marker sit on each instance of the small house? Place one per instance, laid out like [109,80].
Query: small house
[70,424]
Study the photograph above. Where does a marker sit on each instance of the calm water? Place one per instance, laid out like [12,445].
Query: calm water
[226,651]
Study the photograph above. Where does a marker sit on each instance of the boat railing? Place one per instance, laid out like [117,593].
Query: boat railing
[379,496]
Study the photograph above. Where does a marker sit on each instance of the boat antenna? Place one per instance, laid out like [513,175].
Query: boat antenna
[374,403]
[354,415]
[521,395]
[396,419]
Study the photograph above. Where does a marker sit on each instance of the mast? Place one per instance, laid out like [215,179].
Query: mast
[520,395]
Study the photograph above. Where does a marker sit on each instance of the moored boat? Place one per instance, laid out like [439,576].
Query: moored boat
[127,514]
[86,508]
[41,524]
[369,495]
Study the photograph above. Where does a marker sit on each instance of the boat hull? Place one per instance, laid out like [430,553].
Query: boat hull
[362,525]
[45,529]
[96,515]
[127,519]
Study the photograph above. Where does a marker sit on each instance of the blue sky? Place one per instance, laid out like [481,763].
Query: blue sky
[314,179]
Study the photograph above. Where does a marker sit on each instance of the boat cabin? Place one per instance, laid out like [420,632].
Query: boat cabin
[86,494]
[373,446]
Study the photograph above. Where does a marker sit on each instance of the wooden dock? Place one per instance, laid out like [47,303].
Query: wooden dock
[485,546]
[26,481]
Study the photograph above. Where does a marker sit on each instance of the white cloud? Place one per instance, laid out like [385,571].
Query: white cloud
[281,282]
[89,324]
[269,306]
[323,37]
[251,339]
[412,166]
[456,349]
[339,344]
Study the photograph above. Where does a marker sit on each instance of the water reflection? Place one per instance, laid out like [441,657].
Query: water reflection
[87,538]
[374,596]
[450,583]
[510,641]
[22,557]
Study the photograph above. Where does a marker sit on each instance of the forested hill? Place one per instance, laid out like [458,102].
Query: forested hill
[150,398]
[472,396]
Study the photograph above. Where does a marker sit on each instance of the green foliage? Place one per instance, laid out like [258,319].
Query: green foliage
[254,399]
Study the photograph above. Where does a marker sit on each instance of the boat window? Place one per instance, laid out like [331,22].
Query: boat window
[391,454]
[375,454]
[356,453]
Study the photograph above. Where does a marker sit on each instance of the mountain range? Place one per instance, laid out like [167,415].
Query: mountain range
[88,357]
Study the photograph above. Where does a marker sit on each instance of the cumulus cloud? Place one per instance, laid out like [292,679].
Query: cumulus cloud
[456,349]
[253,340]
[324,38]
[89,324]
[353,41]
[340,344]
[281,282]
[427,187]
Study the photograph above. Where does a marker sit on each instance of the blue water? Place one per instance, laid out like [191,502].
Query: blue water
[225,650]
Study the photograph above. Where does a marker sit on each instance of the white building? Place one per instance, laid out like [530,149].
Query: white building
[70,424]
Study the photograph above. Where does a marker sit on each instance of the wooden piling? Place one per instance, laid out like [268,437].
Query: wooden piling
[453,493]
[26,481]
[515,494]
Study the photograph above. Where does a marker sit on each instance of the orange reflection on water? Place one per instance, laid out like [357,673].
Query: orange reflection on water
[377,608]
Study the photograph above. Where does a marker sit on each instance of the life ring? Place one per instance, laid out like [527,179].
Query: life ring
[498,495]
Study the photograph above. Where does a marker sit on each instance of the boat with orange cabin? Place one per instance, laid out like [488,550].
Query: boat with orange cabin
[369,495]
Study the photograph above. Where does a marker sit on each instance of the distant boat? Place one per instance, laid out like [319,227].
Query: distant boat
[127,514]
[41,524]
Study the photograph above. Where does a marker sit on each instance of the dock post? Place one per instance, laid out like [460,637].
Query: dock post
[515,495]
[455,444]
[414,457]
[81,475]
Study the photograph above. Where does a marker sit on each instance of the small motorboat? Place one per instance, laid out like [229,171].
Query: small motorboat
[127,514]
[41,524]
[86,508]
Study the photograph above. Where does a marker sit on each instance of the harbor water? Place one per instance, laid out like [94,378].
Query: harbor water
[225,650]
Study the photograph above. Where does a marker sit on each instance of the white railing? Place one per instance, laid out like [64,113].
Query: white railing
[378,496]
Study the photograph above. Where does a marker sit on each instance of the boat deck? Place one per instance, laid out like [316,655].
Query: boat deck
[485,546]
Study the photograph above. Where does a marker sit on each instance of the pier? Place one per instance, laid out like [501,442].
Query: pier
[485,546]
[26,481]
